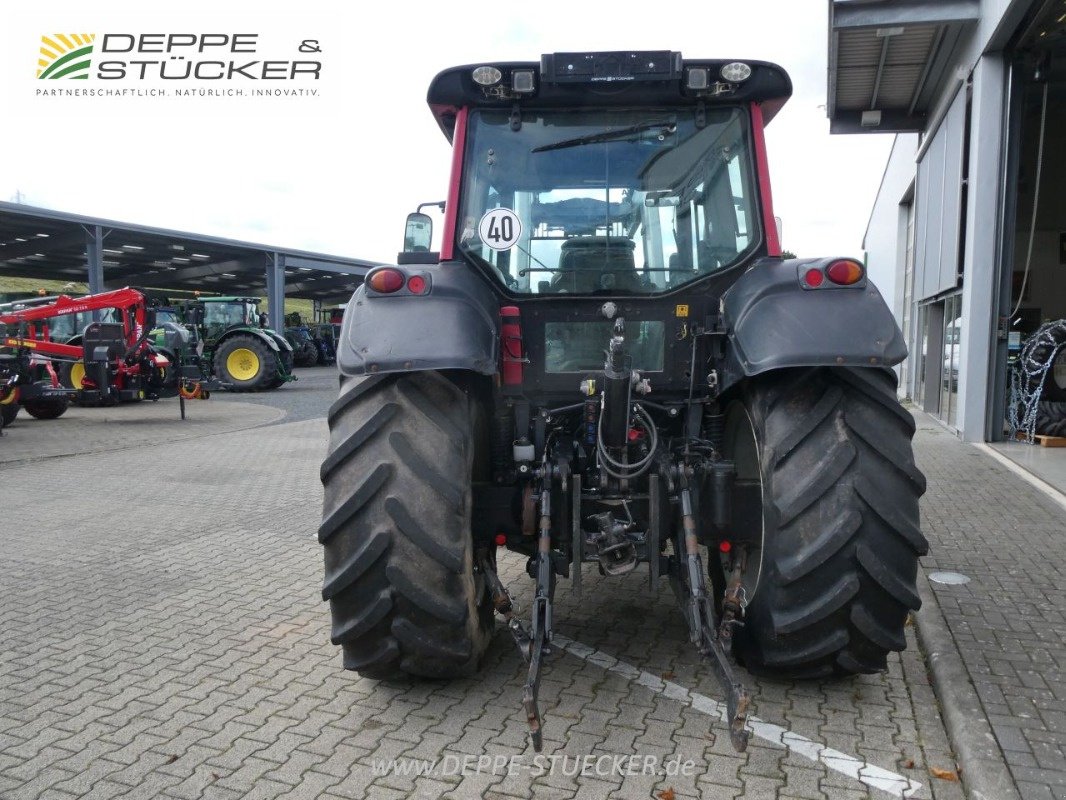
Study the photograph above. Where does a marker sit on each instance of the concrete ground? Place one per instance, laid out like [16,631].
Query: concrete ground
[163,636]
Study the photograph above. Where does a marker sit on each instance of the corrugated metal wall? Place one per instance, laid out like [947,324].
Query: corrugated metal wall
[938,215]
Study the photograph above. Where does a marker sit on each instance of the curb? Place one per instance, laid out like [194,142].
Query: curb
[984,771]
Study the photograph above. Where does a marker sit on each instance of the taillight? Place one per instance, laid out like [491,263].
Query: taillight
[814,278]
[844,272]
[386,281]
[416,284]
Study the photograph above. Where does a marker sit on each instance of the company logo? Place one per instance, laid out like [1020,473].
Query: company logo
[65,55]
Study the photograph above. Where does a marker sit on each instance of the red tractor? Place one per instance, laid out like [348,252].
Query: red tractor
[609,363]
[112,363]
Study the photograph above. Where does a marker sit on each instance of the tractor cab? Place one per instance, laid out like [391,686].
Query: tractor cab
[223,313]
[608,174]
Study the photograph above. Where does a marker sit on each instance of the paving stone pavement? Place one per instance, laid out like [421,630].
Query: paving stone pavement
[145,424]
[162,636]
[1009,621]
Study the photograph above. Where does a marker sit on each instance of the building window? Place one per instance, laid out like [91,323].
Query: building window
[949,374]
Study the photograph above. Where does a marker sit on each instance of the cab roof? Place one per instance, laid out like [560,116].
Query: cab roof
[608,79]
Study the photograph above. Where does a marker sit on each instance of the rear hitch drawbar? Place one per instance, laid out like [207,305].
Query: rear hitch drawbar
[532,645]
[713,644]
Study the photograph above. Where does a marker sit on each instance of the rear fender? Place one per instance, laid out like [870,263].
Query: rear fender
[772,321]
[453,325]
[281,343]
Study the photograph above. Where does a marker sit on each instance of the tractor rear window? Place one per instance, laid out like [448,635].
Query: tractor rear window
[607,201]
[579,346]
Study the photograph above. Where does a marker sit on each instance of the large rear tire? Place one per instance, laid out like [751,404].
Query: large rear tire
[831,588]
[245,363]
[306,355]
[71,374]
[9,407]
[399,570]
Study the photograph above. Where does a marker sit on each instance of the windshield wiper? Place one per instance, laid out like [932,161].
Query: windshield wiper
[610,135]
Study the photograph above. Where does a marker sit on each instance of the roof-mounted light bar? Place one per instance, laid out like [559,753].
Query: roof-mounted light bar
[493,82]
[617,66]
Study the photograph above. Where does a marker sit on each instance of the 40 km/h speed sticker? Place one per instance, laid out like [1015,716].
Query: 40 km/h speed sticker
[500,228]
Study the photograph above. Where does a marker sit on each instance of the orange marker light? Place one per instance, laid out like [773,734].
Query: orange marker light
[845,272]
[386,280]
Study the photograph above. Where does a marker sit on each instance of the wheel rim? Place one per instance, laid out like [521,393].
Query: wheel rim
[742,445]
[242,364]
[77,374]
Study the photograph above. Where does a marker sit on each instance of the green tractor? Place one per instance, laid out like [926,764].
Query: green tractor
[241,351]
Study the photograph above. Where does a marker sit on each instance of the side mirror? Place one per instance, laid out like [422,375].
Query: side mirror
[194,315]
[264,321]
[418,234]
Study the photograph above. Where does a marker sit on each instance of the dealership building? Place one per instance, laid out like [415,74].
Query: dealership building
[967,236]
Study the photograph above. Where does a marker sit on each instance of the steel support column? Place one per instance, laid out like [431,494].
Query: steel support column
[94,257]
[275,284]
[980,312]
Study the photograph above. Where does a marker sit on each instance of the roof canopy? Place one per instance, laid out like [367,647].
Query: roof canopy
[46,244]
[886,58]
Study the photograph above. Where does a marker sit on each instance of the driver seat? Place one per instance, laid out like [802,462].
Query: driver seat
[596,263]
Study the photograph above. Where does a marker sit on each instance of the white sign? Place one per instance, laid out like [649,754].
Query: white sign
[500,228]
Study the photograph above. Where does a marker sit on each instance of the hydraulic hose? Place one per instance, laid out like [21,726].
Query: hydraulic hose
[620,469]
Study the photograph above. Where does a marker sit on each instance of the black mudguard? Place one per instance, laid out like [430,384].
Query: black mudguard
[280,342]
[453,326]
[773,321]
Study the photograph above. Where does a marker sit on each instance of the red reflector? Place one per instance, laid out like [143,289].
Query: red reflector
[386,280]
[725,545]
[416,284]
[501,539]
[845,272]
[814,278]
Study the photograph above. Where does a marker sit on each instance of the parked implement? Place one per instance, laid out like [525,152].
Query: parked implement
[609,362]
[107,363]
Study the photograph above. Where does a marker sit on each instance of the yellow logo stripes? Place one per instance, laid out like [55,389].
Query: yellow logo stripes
[65,55]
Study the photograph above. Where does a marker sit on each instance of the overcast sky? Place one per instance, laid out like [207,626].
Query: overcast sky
[337,172]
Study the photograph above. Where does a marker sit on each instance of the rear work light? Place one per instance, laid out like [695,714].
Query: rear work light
[845,272]
[736,72]
[486,76]
[386,281]
[523,81]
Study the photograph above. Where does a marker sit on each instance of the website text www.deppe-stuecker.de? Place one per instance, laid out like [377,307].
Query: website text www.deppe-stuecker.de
[568,765]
